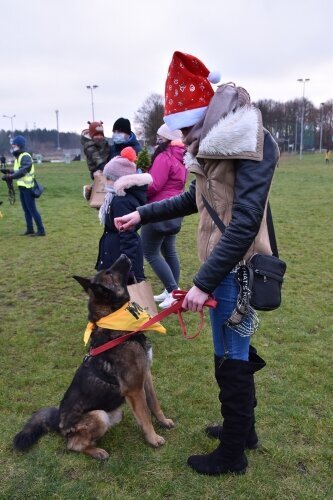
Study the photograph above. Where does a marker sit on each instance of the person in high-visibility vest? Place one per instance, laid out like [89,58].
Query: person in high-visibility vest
[24,173]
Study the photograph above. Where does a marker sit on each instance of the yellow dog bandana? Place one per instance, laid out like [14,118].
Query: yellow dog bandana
[128,318]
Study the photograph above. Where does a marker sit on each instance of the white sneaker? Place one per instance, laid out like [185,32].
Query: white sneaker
[167,301]
[161,296]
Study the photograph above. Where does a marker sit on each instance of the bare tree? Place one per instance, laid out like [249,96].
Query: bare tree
[148,118]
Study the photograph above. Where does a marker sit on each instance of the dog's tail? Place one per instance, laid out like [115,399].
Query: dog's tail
[40,423]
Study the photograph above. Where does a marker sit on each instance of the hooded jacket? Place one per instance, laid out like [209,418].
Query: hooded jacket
[233,159]
[116,149]
[130,194]
[168,173]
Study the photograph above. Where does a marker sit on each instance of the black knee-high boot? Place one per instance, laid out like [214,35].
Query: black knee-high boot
[214,431]
[235,379]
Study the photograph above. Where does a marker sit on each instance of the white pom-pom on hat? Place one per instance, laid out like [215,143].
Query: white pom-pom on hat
[214,76]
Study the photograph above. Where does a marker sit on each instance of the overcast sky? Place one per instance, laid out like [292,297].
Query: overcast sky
[52,49]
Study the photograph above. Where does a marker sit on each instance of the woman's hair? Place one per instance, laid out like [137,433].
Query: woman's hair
[160,148]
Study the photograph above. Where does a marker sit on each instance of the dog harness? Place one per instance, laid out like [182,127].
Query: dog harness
[130,317]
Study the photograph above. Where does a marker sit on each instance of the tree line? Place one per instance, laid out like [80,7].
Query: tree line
[41,140]
[283,120]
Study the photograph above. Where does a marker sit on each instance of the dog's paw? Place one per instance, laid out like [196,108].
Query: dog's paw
[97,453]
[167,423]
[156,441]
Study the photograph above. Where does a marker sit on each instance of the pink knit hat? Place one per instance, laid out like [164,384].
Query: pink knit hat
[121,165]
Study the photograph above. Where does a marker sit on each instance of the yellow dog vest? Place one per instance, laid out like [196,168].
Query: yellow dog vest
[128,318]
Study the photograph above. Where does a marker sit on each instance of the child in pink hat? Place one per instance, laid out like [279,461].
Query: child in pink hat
[126,190]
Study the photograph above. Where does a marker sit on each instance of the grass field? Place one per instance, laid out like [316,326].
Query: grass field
[43,316]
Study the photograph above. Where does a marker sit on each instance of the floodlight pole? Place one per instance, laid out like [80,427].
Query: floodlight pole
[321,127]
[92,88]
[11,121]
[58,137]
[303,80]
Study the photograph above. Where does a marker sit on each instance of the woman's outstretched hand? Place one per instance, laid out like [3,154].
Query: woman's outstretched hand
[128,221]
[195,299]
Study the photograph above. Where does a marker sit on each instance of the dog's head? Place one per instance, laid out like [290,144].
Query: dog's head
[108,289]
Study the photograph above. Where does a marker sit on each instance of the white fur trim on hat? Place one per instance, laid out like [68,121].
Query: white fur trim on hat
[167,133]
[185,118]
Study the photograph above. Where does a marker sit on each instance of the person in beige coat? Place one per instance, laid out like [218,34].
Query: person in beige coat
[233,159]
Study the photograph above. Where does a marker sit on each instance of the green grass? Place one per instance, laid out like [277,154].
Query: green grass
[43,316]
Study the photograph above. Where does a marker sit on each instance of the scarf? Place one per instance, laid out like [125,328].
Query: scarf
[128,318]
[227,99]
[110,192]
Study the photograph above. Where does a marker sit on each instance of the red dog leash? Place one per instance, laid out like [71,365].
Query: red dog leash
[176,307]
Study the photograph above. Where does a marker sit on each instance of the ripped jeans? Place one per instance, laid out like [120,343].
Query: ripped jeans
[224,337]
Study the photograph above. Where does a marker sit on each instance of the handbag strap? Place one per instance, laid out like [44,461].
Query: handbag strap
[220,224]
[271,231]
[270,226]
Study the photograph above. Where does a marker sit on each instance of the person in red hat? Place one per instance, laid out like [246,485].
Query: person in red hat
[233,159]
[96,147]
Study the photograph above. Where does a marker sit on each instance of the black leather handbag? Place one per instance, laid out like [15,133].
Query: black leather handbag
[266,277]
[264,273]
[168,227]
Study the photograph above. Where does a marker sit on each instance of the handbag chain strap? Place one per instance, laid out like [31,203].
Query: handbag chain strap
[244,276]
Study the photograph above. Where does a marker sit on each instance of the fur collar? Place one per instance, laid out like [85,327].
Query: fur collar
[128,181]
[234,135]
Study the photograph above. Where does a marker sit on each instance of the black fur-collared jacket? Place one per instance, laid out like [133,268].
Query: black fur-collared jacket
[251,183]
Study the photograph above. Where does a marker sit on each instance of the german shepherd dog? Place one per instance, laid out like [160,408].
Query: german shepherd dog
[91,404]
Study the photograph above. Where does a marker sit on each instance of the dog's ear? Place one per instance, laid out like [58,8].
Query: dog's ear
[84,282]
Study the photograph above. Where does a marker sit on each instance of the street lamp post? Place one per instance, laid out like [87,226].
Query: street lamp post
[321,126]
[11,121]
[92,88]
[58,138]
[303,80]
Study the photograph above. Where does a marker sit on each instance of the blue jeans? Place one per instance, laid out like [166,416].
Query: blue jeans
[31,213]
[160,252]
[223,336]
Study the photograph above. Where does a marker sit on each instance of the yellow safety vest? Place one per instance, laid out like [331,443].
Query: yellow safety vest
[28,180]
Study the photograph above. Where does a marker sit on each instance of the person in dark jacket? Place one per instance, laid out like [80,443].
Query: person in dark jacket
[126,190]
[123,137]
[24,174]
[97,152]
[233,159]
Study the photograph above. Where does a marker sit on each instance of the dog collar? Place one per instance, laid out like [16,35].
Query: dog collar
[130,317]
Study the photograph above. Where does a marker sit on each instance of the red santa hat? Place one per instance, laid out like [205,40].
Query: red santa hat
[187,91]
